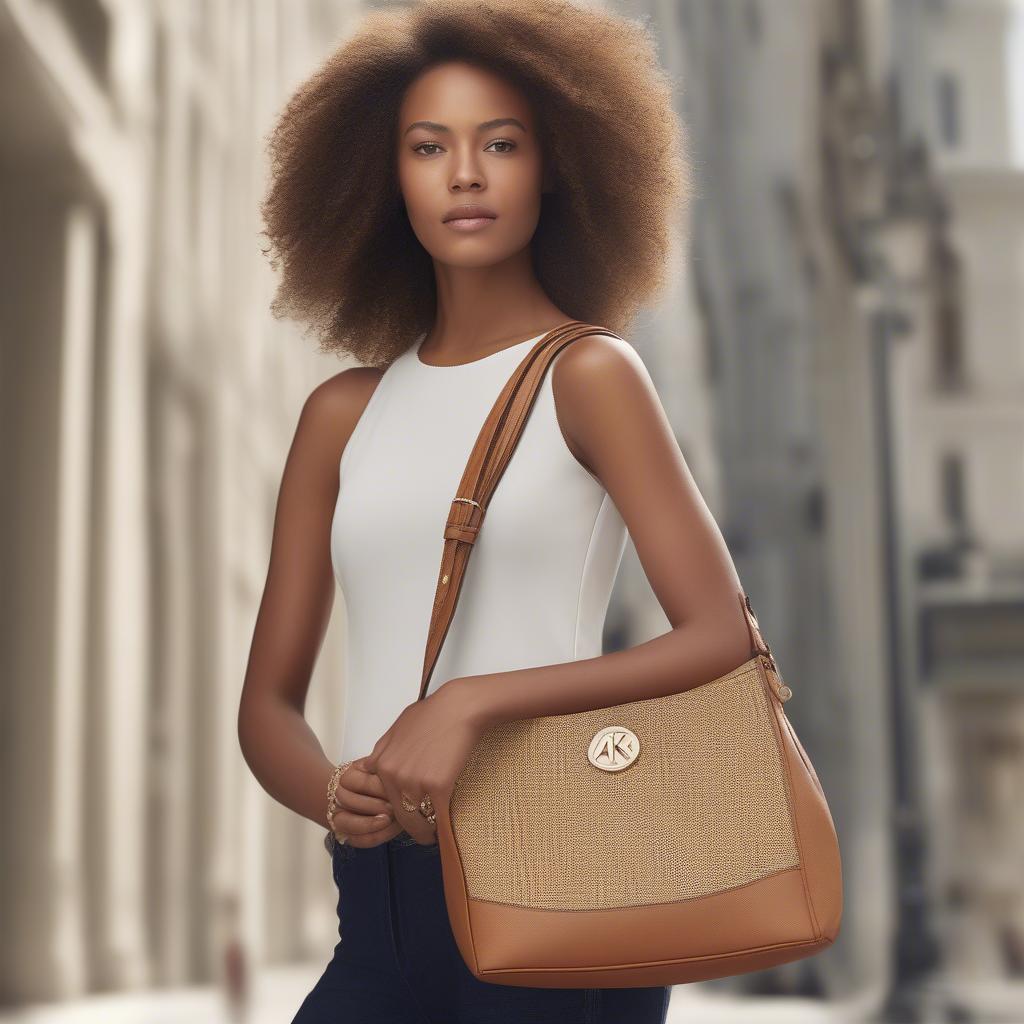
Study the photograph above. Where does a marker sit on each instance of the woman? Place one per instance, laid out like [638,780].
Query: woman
[457,180]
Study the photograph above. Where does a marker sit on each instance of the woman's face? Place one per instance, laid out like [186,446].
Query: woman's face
[466,136]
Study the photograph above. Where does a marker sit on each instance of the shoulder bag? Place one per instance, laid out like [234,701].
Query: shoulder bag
[655,842]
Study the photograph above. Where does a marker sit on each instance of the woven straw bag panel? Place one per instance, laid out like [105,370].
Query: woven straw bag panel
[704,807]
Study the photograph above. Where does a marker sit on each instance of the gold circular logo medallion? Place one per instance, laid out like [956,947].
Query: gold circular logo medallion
[613,748]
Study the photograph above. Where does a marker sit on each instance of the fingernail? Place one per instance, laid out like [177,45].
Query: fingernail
[385,816]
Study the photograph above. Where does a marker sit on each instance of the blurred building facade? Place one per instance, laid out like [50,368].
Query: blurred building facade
[785,368]
[963,476]
[855,266]
[148,401]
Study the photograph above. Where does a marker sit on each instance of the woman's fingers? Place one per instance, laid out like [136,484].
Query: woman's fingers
[375,838]
[352,823]
[360,802]
[358,780]
[353,793]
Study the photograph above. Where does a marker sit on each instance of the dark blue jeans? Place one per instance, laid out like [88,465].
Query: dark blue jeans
[397,961]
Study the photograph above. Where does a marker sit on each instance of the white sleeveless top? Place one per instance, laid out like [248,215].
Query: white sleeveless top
[538,582]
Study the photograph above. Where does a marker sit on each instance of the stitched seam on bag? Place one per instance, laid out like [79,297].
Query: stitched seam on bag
[811,773]
[634,906]
[776,711]
[654,963]
[795,815]
[460,874]
[780,745]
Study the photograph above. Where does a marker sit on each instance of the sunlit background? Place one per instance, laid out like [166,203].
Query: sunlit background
[843,362]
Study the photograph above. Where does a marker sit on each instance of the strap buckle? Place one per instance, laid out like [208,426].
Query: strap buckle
[462,531]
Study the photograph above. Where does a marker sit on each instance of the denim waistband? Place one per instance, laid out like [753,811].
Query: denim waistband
[405,839]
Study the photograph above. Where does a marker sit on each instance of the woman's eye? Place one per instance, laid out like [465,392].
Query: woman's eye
[433,146]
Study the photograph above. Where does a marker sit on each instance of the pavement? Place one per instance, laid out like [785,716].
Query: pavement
[277,994]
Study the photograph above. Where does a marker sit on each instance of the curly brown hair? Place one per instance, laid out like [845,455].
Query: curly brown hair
[354,271]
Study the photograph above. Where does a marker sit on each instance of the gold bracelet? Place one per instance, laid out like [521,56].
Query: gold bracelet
[332,803]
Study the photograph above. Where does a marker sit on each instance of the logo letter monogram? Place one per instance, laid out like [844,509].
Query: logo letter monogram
[613,748]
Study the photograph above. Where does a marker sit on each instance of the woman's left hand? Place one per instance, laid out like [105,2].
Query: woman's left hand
[424,751]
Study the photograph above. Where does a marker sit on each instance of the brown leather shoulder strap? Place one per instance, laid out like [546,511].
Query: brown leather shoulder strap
[490,455]
[758,644]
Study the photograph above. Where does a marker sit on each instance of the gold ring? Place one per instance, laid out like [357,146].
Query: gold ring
[427,809]
[407,803]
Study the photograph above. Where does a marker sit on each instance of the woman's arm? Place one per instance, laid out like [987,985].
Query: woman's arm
[614,424]
[277,743]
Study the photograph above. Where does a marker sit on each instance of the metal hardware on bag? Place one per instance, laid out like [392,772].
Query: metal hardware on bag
[782,691]
[760,636]
[444,578]
[464,532]
[767,659]
[613,748]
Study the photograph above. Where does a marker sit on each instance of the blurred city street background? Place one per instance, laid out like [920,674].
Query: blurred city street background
[842,360]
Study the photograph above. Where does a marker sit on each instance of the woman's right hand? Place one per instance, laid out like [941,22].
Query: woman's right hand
[360,797]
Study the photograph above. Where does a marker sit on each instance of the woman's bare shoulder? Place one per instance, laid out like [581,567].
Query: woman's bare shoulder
[334,406]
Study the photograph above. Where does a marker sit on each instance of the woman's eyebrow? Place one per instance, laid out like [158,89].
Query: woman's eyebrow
[484,126]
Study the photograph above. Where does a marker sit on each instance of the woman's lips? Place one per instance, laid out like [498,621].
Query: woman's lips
[469,223]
